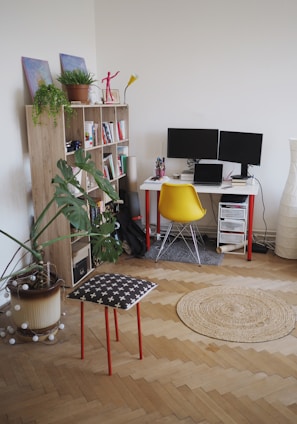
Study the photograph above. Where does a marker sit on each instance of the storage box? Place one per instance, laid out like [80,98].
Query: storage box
[236,225]
[233,213]
[80,269]
[232,238]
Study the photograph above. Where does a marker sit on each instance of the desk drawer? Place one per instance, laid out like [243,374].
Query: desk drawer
[233,213]
[232,238]
[236,225]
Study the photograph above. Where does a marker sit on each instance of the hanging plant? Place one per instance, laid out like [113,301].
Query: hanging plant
[50,98]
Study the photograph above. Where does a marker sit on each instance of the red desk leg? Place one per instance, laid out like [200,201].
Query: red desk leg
[139,330]
[82,331]
[158,214]
[147,219]
[250,226]
[108,341]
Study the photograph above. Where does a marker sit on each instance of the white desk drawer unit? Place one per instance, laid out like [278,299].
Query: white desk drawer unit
[232,225]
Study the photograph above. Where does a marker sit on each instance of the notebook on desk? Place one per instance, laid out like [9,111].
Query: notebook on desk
[208,173]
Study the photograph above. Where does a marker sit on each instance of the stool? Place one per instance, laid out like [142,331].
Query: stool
[115,291]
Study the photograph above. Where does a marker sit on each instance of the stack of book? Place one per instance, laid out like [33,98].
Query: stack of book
[112,132]
[97,210]
[238,180]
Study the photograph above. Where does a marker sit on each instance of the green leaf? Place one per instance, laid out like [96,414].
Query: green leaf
[106,248]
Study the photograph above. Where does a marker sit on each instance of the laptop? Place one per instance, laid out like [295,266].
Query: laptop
[208,174]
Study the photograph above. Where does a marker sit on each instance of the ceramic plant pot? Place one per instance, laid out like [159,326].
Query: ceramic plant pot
[35,311]
[78,93]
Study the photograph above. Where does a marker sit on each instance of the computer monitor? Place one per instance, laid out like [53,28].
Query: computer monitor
[240,147]
[192,143]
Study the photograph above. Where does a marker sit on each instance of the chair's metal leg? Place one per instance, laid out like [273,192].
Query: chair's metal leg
[180,229]
[195,244]
[164,249]
[198,235]
[164,241]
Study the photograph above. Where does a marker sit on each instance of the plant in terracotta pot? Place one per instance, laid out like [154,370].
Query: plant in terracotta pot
[49,98]
[77,83]
[37,277]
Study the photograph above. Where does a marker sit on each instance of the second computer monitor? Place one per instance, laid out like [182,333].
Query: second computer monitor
[240,147]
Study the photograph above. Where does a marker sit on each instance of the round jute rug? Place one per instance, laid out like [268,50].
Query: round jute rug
[236,314]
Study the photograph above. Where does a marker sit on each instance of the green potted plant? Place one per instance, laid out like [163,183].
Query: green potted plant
[77,83]
[35,276]
[49,98]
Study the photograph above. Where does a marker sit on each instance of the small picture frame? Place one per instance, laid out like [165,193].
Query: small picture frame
[115,97]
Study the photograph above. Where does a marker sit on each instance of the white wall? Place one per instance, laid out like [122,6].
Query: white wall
[41,30]
[227,64]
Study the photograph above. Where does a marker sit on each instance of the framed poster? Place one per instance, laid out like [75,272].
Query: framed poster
[36,71]
[69,63]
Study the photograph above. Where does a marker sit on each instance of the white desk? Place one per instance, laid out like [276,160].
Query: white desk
[250,190]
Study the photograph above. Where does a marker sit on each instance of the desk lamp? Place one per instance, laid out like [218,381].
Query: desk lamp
[132,79]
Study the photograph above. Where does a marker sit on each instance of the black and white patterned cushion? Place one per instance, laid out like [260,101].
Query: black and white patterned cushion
[114,290]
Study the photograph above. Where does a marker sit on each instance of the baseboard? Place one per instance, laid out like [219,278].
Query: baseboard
[211,232]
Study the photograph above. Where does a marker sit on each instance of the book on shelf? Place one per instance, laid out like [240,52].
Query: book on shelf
[108,161]
[96,210]
[239,182]
[111,129]
[88,128]
[95,134]
[104,138]
[106,172]
[119,166]
[121,130]
[123,152]
[108,135]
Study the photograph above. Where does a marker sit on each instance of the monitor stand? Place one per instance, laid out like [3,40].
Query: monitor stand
[244,173]
[239,177]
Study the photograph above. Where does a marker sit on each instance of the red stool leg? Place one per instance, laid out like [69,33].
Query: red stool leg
[116,324]
[139,330]
[82,331]
[108,341]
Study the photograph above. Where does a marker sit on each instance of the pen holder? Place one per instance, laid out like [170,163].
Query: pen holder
[160,172]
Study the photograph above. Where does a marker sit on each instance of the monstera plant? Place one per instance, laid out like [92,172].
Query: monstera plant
[35,276]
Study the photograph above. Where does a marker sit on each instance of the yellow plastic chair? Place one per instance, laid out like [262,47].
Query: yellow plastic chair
[180,204]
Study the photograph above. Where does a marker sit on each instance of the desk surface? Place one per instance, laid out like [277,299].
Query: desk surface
[224,188]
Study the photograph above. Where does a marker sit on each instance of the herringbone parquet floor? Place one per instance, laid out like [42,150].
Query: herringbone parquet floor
[183,378]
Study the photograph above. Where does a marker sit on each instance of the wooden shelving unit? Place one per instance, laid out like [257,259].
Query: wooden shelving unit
[48,144]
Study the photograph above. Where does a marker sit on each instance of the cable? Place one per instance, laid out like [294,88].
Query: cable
[264,242]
